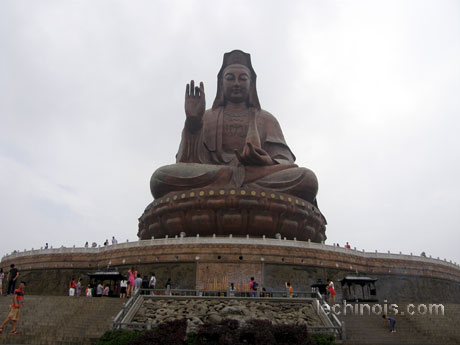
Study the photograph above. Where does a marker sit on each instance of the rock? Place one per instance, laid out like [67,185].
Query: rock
[214,318]
[234,310]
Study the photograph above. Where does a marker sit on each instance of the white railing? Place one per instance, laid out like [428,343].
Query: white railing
[231,240]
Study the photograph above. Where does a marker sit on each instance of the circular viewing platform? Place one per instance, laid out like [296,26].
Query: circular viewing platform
[204,262]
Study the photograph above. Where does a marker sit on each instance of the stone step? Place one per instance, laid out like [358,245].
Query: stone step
[52,320]
[411,329]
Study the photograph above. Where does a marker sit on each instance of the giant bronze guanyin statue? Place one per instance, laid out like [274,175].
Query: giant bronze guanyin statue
[234,172]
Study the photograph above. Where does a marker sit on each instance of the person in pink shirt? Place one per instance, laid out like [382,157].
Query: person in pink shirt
[132,273]
[253,287]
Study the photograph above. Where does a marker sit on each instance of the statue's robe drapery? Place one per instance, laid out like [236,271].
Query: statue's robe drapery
[201,161]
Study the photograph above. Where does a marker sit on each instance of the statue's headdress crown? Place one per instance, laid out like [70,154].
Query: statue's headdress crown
[241,58]
[237,57]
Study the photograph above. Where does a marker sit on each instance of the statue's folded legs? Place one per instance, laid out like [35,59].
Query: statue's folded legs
[300,182]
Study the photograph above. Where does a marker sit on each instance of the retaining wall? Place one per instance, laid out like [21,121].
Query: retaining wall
[213,262]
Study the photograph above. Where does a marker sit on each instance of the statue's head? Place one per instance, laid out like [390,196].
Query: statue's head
[236,81]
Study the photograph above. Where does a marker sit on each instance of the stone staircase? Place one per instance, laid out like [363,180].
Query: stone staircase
[52,320]
[411,329]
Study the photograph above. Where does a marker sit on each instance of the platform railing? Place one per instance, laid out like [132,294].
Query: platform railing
[231,240]
[225,293]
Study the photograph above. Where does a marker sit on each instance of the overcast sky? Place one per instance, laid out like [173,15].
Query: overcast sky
[367,94]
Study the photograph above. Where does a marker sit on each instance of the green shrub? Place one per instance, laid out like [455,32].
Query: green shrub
[169,332]
[228,332]
[191,339]
[323,339]
[118,337]
[291,334]
[256,332]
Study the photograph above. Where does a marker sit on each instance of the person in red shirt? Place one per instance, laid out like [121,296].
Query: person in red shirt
[72,287]
[331,291]
[253,287]
[13,315]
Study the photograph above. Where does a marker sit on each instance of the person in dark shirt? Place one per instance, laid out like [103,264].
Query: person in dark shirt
[13,275]
[145,285]
[168,287]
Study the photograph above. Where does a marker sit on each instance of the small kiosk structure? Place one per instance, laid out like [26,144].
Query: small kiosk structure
[359,289]
[111,277]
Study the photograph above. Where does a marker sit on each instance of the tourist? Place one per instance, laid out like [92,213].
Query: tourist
[152,283]
[78,291]
[289,290]
[106,290]
[72,287]
[99,290]
[331,291]
[137,283]
[123,287]
[2,275]
[264,292]
[132,273]
[253,286]
[114,240]
[168,287]
[347,246]
[89,291]
[231,290]
[13,315]
[391,322]
[145,285]
[86,244]
[423,254]
[46,245]
[12,277]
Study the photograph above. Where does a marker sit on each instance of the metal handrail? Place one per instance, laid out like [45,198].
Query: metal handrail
[226,293]
[116,323]
[331,315]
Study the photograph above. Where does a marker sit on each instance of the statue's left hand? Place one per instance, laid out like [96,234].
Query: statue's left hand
[254,156]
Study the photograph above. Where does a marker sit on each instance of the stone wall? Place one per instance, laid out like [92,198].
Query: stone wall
[394,288]
[212,263]
[198,311]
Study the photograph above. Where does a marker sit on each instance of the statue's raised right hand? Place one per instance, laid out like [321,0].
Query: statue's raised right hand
[195,103]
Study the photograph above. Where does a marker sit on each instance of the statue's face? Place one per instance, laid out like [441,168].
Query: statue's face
[236,83]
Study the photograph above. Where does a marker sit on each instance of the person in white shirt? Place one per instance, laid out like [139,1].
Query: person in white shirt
[231,290]
[106,290]
[114,240]
[99,290]
[152,283]
[123,287]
